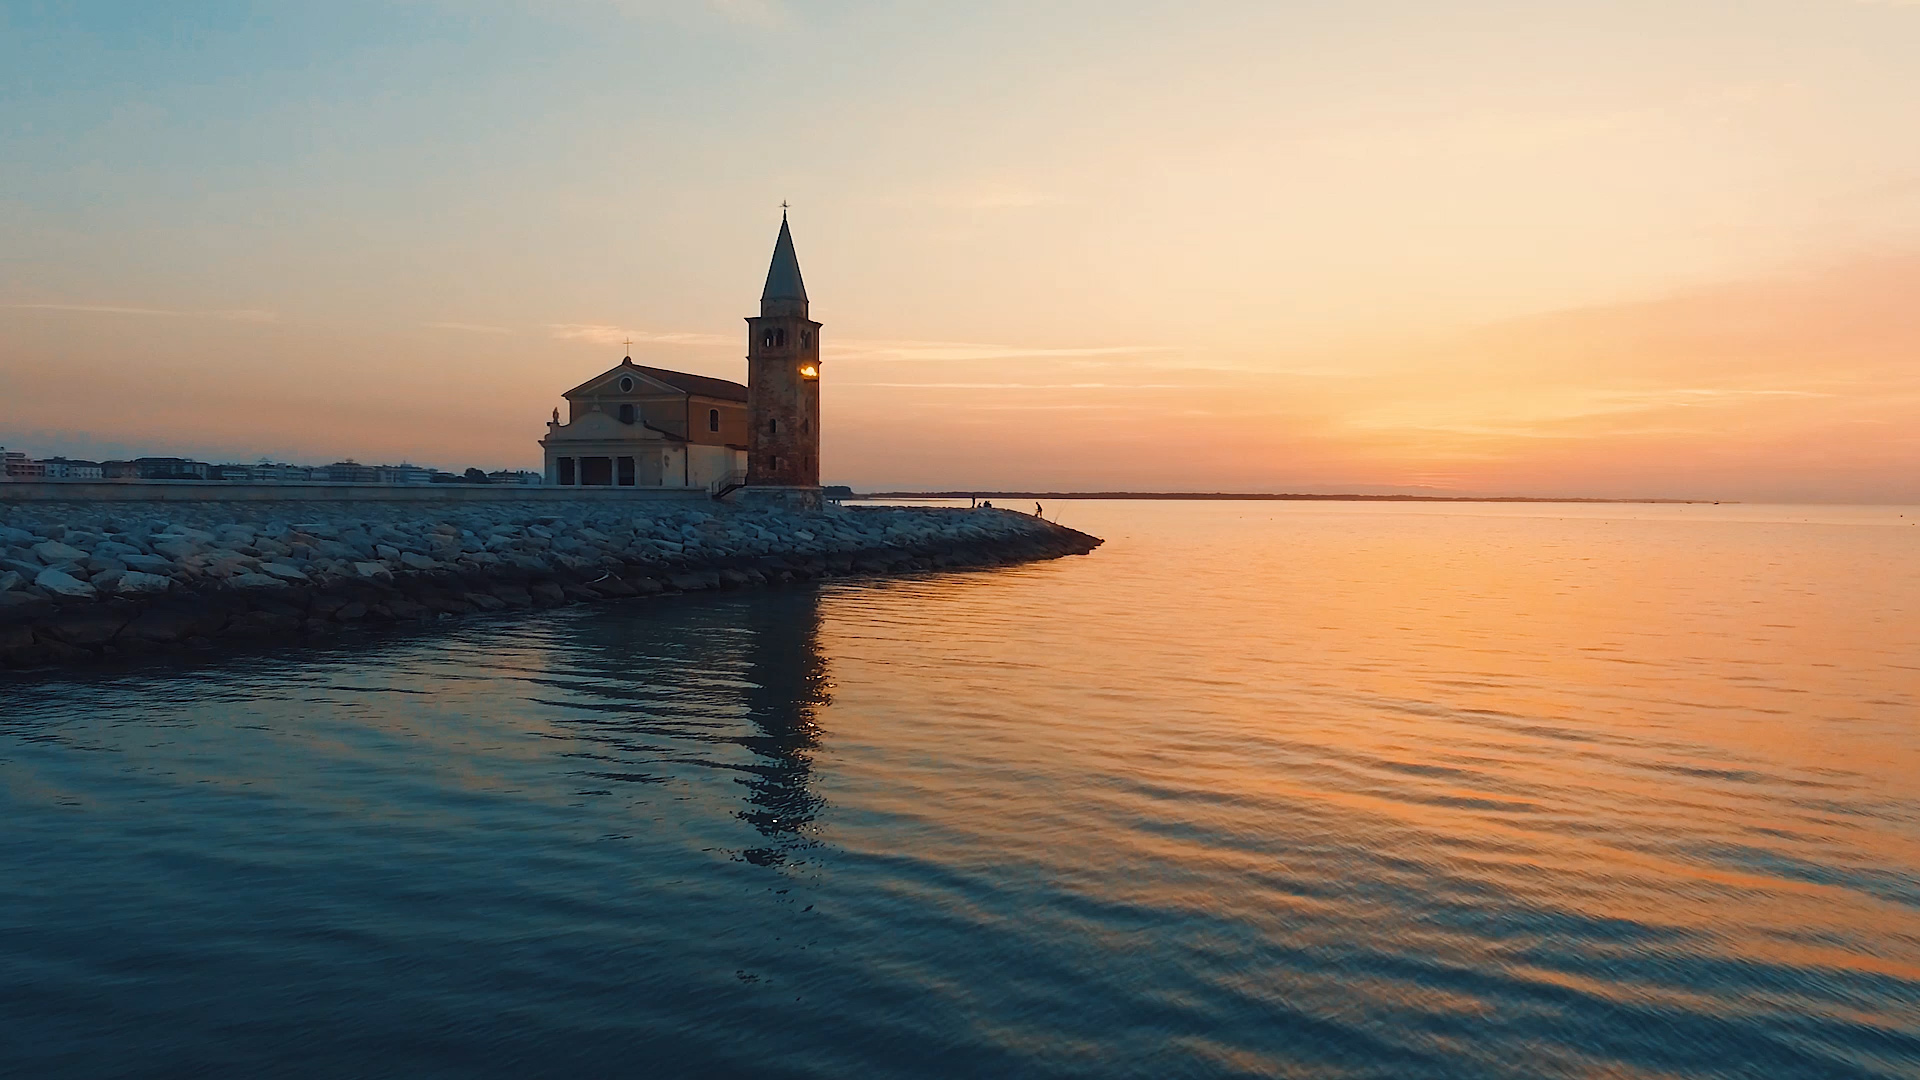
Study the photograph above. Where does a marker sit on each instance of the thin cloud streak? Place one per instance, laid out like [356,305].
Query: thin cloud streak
[234,315]
[603,334]
[951,351]
[1027,386]
[471,328]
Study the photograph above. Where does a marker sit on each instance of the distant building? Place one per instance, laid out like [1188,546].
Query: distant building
[515,476]
[170,468]
[19,466]
[267,472]
[120,470]
[59,468]
[347,472]
[403,474]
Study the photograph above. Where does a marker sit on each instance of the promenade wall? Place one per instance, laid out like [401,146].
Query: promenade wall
[220,491]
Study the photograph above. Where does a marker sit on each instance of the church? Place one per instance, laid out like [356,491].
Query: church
[637,426]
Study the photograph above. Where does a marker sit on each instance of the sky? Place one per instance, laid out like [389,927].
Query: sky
[1603,248]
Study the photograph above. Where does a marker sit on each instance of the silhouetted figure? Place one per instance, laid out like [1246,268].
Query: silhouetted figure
[1036,510]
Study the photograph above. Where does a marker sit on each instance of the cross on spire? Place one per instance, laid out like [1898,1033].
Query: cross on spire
[783,209]
[629,344]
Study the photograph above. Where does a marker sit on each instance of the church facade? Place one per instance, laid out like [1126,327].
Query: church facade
[638,426]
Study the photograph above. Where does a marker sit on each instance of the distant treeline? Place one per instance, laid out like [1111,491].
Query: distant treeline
[1244,496]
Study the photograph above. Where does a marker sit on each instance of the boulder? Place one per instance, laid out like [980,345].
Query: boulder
[11,580]
[174,547]
[22,607]
[148,564]
[135,583]
[88,627]
[284,571]
[53,552]
[415,561]
[61,583]
[250,580]
[15,638]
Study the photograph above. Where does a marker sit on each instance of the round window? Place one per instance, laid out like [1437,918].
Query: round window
[626,385]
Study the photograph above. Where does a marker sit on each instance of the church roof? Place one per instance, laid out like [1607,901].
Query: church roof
[783,276]
[701,385]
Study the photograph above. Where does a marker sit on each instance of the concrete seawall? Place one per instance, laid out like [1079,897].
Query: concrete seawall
[87,580]
[220,491]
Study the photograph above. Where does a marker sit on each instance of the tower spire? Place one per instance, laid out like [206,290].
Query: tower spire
[785,293]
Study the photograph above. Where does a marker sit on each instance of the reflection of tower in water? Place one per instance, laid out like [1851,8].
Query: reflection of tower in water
[787,678]
[654,687]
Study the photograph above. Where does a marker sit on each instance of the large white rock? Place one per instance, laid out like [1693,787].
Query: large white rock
[135,583]
[176,547]
[61,583]
[53,551]
[151,564]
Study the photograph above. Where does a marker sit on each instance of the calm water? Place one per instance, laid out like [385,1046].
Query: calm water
[1257,789]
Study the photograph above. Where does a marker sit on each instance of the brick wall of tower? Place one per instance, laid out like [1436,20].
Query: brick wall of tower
[783,405]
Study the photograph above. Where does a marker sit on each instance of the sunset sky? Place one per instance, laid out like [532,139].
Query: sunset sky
[1594,247]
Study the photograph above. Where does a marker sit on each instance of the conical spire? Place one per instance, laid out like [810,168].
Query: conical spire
[783,278]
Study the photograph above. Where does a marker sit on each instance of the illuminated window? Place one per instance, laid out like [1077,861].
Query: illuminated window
[809,371]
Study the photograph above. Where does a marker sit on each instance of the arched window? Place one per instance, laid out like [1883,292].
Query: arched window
[626,414]
[713,419]
[773,427]
[766,337]
[779,337]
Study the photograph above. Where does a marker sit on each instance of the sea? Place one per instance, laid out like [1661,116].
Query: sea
[1275,789]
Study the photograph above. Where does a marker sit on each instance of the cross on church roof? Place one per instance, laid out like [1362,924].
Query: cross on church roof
[629,344]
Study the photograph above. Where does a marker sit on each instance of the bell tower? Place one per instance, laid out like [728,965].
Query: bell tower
[783,378]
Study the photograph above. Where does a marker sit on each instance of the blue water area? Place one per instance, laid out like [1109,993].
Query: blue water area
[1289,790]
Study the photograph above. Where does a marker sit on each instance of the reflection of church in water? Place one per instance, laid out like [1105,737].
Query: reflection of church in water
[640,426]
[678,679]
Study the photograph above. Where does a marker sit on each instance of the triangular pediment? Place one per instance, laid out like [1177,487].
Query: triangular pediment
[608,383]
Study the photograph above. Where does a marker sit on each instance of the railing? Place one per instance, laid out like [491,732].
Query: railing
[727,485]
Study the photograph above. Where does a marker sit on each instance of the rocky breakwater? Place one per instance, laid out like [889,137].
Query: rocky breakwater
[79,582]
